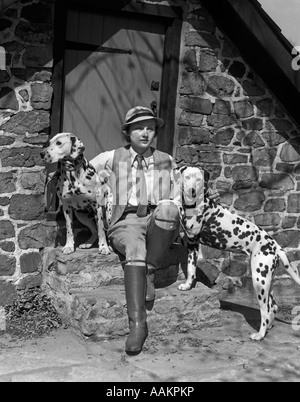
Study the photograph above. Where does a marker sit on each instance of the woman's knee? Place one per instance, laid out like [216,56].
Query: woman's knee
[167,214]
[167,210]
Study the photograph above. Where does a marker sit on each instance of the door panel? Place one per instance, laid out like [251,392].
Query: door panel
[100,86]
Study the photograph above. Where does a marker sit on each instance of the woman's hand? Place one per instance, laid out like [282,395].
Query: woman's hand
[214,195]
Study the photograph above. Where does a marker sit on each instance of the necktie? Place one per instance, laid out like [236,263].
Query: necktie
[141,189]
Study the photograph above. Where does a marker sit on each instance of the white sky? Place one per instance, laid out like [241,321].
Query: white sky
[286,14]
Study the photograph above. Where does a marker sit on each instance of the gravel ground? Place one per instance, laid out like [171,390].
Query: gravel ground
[223,354]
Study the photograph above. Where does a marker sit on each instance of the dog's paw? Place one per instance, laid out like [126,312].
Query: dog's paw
[257,337]
[104,249]
[90,242]
[185,287]
[86,245]
[68,250]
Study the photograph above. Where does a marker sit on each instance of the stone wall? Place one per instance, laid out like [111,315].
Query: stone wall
[26,30]
[231,124]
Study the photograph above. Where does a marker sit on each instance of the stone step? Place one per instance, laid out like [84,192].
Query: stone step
[87,290]
[88,269]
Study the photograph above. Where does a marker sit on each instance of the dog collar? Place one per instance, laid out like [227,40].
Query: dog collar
[190,206]
[71,166]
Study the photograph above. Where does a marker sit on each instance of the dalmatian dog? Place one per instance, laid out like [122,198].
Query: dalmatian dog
[80,190]
[206,222]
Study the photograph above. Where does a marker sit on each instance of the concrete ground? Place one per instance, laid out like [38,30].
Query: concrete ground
[220,354]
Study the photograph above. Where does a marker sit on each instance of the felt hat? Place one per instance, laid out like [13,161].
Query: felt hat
[140,113]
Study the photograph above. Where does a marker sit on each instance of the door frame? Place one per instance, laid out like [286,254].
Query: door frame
[172,16]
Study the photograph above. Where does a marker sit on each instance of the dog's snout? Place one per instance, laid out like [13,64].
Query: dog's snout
[43,154]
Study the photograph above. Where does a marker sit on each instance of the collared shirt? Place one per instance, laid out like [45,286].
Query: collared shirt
[105,161]
[148,168]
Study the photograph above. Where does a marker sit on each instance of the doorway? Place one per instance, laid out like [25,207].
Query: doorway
[112,63]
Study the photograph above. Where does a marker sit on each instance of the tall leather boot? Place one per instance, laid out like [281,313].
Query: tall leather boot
[150,293]
[135,290]
[157,246]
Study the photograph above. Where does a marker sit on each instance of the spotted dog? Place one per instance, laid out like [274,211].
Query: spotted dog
[79,189]
[211,224]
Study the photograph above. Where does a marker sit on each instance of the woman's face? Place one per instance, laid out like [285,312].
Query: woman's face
[142,134]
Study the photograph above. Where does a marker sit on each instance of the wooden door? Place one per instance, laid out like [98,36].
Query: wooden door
[112,63]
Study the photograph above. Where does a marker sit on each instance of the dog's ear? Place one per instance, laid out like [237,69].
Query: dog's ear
[77,147]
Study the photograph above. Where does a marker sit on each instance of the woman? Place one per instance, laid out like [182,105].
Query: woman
[145,219]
